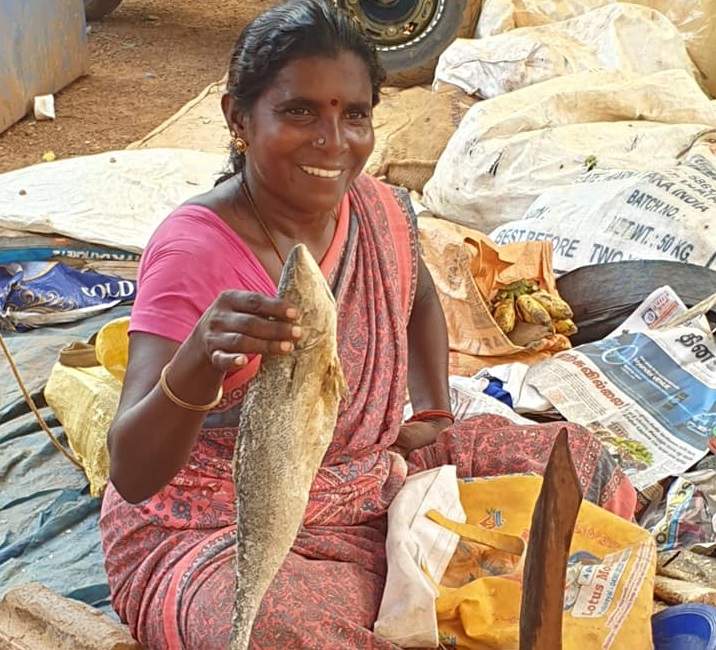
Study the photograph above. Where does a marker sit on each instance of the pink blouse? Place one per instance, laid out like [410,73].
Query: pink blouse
[194,256]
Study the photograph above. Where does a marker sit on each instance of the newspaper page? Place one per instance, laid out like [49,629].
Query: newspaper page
[648,395]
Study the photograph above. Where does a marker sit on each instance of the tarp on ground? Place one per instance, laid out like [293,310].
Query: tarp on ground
[125,194]
[198,125]
[49,528]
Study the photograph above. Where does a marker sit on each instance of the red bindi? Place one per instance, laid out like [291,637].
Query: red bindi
[334,102]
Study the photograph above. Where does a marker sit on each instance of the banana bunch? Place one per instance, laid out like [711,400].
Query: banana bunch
[524,300]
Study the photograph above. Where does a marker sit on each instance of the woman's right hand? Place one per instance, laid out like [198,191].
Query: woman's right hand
[151,438]
[239,323]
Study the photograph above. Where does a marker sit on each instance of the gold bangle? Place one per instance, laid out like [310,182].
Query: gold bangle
[199,408]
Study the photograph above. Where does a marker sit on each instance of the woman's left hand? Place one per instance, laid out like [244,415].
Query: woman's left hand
[414,435]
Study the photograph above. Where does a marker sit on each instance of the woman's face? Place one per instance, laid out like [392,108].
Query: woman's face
[310,133]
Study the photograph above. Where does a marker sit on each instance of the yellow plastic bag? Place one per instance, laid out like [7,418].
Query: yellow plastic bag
[112,347]
[85,401]
[610,576]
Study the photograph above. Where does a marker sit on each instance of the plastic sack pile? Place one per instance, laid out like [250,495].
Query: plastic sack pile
[694,19]
[596,132]
[525,165]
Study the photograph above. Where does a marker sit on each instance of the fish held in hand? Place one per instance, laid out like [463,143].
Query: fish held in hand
[286,425]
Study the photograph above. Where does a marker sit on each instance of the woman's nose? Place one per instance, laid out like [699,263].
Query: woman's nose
[331,136]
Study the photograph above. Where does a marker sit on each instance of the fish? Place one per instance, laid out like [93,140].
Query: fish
[286,424]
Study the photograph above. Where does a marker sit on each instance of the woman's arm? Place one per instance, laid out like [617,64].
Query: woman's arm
[427,347]
[151,437]
[427,365]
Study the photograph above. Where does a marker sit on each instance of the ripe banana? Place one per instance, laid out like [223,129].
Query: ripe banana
[532,311]
[555,306]
[504,314]
[565,326]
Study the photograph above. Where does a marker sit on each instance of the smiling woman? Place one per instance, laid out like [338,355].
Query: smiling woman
[302,86]
[314,134]
[309,113]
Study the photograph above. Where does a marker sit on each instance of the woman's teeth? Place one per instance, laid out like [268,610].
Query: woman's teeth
[322,173]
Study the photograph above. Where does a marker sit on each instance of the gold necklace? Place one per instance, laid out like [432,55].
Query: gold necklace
[250,199]
[255,210]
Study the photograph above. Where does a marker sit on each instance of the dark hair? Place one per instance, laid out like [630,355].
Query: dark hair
[292,30]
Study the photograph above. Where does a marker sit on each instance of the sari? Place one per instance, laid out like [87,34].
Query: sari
[170,559]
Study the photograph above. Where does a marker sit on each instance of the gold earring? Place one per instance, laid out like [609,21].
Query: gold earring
[239,144]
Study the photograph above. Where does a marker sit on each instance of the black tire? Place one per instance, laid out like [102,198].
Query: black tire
[413,62]
[98,9]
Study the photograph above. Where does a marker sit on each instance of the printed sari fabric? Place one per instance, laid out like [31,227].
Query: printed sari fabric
[170,558]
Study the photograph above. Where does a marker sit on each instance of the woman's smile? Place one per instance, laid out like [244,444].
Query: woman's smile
[319,172]
[315,116]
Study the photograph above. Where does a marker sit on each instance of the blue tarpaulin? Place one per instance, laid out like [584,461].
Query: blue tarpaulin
[48,522]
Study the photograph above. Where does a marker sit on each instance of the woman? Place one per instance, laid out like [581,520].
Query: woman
[302,86]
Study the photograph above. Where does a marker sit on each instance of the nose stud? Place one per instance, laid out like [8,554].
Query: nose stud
[319,142]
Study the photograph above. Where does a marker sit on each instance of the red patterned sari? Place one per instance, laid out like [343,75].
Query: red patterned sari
[170,558]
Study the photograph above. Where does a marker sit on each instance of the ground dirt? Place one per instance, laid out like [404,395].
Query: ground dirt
[146,60]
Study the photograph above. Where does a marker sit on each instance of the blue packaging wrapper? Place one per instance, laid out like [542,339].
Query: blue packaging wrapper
[33,294]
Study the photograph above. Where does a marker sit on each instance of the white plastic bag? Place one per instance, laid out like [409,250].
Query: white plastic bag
[615,215]
[620,36]
[524,397]
[695,20]
[467,399]
[415,545]
[487,183]
[507,150]
[670,96]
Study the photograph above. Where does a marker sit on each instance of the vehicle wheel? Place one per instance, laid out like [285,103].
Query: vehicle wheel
[96,9]
[410,35]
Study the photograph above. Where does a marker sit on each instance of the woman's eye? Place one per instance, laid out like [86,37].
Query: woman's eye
[298,111]
[357,115]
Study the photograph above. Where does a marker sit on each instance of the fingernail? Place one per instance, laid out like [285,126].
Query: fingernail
[286,346]
[296,332]
[240,360]
[292,312]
